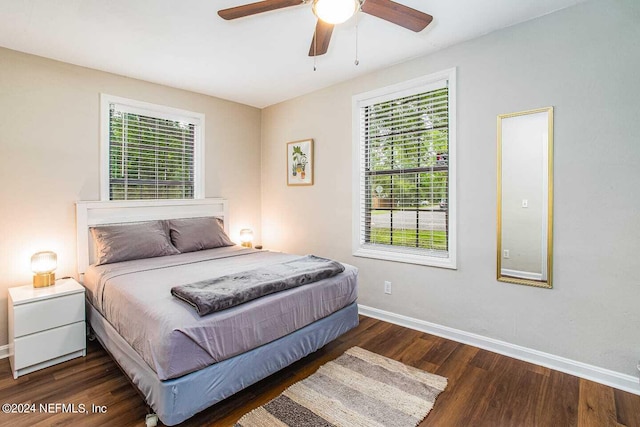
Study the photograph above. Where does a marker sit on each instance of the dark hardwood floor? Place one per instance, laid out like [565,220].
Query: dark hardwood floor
[485,389]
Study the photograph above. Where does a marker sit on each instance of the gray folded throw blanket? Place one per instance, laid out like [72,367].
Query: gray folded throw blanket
[208,296]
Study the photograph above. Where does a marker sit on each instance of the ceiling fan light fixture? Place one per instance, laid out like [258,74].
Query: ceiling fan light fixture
[335,11]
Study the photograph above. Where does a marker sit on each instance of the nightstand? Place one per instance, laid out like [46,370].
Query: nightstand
[46,325]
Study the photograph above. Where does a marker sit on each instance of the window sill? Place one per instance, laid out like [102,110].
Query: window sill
[420,259]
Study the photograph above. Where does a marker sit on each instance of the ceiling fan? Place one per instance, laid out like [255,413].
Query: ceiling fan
[332,12]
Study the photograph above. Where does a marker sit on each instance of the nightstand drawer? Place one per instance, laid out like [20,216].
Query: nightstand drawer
[48,314]
[43,346]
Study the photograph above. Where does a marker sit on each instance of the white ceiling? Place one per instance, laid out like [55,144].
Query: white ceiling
[258,60]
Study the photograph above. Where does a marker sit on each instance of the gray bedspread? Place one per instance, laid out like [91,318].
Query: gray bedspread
[135,298]
[220,293]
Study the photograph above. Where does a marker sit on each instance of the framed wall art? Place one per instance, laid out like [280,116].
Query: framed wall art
[300,162]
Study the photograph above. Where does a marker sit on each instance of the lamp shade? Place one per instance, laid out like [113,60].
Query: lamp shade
[334,11]
[43,265]
[246,237]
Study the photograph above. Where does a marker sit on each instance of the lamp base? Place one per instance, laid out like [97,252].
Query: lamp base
[43,280]
[247,244]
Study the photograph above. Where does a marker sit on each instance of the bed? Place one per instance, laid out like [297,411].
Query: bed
[180,361]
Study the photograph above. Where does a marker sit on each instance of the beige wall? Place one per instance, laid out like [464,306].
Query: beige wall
[49,156]
[584,62]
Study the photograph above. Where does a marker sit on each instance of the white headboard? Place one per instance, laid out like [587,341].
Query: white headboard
[89,214]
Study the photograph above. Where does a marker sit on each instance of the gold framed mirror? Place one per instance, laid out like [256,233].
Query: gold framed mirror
[525,197]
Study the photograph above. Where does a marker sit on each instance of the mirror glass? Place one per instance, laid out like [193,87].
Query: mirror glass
[525,197]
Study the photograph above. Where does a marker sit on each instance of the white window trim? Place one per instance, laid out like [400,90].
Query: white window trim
[154,110]
[380,95]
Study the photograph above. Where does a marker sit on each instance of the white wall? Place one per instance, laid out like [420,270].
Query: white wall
[49,157]
[583,61]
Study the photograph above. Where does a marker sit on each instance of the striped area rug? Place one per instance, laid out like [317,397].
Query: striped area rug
[359,389]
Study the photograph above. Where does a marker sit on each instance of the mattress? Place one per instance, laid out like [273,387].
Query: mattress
[168,334]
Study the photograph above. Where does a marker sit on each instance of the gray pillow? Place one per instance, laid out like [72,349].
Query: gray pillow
[123,242]
[195,234]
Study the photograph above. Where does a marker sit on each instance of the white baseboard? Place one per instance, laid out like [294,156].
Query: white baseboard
[607,377]
[4,351]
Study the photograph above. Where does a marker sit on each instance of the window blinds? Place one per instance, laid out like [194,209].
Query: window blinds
[150,156]
[404,171]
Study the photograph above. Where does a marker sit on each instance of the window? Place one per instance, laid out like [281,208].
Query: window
[404,161]
[150,151]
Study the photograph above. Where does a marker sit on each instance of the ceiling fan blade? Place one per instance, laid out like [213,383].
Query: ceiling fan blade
[321,39]
[397,13]
[255,8]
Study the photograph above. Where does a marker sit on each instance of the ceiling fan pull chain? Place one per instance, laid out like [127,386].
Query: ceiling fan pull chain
[357,16]
[315,48]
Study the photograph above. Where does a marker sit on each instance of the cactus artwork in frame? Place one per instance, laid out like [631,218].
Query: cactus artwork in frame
[300,162]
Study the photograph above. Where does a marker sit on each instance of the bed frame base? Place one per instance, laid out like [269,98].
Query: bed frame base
[151,420]
[178,399]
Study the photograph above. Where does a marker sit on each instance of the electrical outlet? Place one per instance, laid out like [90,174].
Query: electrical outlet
[525,203]
[506,254]
[387,287]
